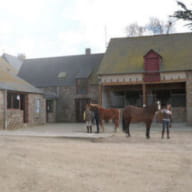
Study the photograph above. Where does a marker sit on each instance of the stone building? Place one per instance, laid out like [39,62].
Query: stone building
[20,102]
[140,70]
[69,82]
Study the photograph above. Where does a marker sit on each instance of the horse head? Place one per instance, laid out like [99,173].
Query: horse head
[158,105]
[94,106]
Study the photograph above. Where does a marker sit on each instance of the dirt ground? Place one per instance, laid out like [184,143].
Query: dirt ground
[114,164]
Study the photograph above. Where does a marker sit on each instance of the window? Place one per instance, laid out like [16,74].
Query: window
[50,106]
[82,86]
[13,101]
[37,105]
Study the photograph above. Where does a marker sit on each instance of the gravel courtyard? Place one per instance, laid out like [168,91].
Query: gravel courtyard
[109,164]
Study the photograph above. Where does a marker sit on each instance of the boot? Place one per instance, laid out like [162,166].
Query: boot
[168,137]
[162,135]
[90,129]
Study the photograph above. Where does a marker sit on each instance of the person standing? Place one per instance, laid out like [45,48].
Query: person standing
[88,116]
[96,117]
[166,120]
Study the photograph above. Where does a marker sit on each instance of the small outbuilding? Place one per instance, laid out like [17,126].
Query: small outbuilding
[20,103]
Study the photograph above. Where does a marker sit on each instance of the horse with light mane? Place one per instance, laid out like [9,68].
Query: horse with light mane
[138,114]
[106,115]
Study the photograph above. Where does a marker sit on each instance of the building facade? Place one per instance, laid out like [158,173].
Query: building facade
[133,71]
[21,104]
[69,83]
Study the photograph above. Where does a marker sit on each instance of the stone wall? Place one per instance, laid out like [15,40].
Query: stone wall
[36,109]
[189,97]
[1,109]
[65,107]
[94,92]
[14,118]
[51,116]
[179,114]
[65,103]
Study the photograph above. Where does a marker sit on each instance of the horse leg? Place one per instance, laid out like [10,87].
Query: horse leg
[116,122]
[128,132]
[102,126]
[148,126]
[127,124]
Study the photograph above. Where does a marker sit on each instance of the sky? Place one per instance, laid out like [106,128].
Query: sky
[48,28]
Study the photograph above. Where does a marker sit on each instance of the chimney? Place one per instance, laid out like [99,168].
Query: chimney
[87,51]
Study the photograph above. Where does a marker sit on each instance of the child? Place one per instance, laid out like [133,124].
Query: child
[88,116]
[166,121]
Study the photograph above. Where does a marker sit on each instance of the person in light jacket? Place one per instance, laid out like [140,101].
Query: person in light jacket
[88,116]
[166,120]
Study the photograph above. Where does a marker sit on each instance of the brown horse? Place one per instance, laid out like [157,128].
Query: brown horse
[139,114]
[107,114]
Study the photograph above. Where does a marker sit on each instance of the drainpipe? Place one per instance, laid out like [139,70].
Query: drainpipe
[100,94]
[5,109]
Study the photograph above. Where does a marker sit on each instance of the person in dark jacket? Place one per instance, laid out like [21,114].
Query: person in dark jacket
[96,118]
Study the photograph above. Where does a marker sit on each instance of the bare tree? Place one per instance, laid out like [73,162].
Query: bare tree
[157,26]
[184,14]
[134,29]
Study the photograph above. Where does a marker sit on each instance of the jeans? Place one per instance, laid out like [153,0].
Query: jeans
[165,125]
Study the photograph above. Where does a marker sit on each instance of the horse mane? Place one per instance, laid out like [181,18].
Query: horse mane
[151,108]
[96,105]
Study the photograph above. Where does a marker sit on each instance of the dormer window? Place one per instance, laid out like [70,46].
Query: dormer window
[62,75]
[152,61]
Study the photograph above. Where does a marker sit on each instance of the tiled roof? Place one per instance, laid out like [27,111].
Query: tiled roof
[14,61]
[44,72]
[125,55]
[10,81]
